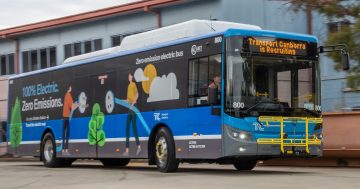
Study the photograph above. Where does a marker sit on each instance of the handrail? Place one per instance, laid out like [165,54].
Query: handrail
[290,142]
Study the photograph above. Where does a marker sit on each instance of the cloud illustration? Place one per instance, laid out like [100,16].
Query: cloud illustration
[139,75]
[164,88]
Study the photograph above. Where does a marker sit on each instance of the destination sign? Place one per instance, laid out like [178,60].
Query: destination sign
[276,46]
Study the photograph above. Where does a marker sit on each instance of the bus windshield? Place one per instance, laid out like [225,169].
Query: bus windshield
[259,84]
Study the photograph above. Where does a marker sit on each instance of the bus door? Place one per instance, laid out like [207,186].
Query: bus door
[102,122]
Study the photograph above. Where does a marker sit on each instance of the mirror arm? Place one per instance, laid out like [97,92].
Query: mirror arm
[339,47]
[333,48]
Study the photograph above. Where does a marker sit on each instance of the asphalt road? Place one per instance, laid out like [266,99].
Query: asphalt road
[88,174]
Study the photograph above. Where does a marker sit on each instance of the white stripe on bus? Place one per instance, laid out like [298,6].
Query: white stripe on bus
[185,137]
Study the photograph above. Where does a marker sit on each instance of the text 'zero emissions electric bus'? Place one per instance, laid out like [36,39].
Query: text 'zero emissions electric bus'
[198,91]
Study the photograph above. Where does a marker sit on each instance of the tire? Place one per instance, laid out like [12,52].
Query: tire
[111,162]
[165,157]
[48,152]
[247,165]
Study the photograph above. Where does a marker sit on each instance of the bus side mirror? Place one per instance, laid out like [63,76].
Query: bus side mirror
[345,60]
[213,96]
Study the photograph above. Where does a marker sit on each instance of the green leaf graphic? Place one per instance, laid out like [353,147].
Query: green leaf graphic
[101,138]
[96,134]
[92,137]
[15,125]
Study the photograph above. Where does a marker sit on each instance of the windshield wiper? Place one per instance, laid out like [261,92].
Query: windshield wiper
[254,106]
[311,112]
[268,101]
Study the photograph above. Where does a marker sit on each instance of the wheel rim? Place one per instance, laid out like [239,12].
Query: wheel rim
[161,151]
[48,150]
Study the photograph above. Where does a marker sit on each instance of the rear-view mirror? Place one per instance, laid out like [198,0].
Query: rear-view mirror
[345,60]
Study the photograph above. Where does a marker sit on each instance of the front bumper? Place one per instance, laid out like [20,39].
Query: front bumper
[235,147]
[275,150]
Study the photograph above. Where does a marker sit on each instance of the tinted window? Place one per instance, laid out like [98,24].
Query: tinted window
[34,60]
[97,44]
[67,51]
[115,40]
[25,57]
[77,49]
[11,64]
[43,58]
[202,71]
[52,56]
[3,65]
[87,46]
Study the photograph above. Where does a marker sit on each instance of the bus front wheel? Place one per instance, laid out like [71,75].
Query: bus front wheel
[165,156]
[48,152]
[247,165]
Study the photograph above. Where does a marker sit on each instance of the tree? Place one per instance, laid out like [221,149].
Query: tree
[96,134]
[342,11]
[15,125]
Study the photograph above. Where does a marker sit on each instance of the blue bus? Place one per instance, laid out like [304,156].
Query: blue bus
[234,95]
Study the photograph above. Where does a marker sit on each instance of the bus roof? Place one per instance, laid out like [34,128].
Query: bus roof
[191,28]
[226,33]
[272,34]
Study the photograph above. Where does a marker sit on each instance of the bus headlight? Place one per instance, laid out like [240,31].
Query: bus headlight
[238,135]
[244,136]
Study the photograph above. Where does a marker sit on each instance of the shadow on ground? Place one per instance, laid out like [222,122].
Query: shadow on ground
[188,170]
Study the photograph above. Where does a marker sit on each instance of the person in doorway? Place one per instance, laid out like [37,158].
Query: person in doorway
[132,97]
[68,107]
[215,84]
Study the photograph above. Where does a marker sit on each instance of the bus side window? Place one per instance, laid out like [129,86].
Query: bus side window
[202,72]
[203,78]
[193,81]
[214,66]
[215,75]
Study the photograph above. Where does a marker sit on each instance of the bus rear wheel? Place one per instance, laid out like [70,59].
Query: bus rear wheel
[165,156]
[110,162]
[48,152]
[245,165]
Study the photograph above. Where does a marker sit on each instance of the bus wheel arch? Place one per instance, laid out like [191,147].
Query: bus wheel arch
[52,161]
[151,142]
[161,149]
[46,131]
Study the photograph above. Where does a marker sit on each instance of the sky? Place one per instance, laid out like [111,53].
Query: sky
[20,12]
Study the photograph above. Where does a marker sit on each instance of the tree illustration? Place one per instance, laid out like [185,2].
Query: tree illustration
[96,134]
[15,125]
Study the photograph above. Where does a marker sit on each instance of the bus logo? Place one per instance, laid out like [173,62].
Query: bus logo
[195,49]
[160,116]
[157,116]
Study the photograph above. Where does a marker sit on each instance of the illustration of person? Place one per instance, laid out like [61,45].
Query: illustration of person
[132,97]
[68,106]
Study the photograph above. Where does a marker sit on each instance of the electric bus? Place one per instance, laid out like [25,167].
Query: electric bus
[198,91]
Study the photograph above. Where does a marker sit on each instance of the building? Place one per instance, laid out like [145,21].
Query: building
[48,43]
